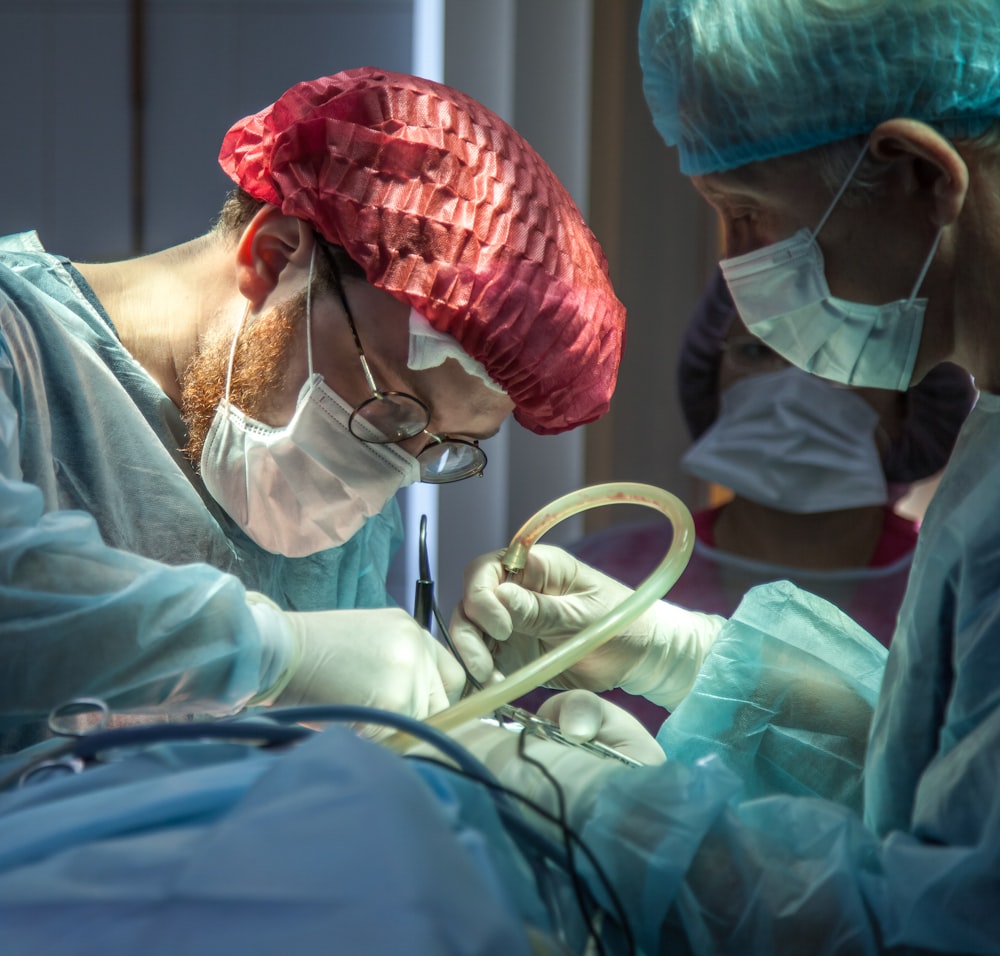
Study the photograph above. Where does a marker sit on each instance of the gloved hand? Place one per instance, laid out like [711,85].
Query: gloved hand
[583,716]
[579,773]
[375,658]
[499,627]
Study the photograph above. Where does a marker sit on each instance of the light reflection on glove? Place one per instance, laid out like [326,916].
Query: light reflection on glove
[374,658]
[498,627]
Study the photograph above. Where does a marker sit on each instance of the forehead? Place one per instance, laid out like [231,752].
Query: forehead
[461,403]
[774,184]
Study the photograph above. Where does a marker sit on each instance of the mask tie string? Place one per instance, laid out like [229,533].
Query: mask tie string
[833,205]
[842,190]
[926,266]
[309,285]
[232,353]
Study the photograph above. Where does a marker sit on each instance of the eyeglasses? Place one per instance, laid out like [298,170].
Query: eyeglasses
[390,417]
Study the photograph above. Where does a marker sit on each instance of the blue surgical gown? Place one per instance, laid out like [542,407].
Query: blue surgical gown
[756,839]
[120,577]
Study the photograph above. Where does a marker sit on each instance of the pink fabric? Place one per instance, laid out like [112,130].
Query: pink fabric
[449,209]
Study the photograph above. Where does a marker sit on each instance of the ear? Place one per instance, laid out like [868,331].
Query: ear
[271,246]
[939,171]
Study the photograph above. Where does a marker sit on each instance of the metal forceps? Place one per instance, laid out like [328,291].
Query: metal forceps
[530,723]
[74,720]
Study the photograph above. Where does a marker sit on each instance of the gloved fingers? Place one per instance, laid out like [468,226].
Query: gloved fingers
[499,671]
[584,716]
[422,684]
[541,615]
[479,604]
[579,713]
[551,570]
[452,674]
[472,645]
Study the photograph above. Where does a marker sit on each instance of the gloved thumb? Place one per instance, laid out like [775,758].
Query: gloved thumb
[524,607]
[579,714]
[582,716]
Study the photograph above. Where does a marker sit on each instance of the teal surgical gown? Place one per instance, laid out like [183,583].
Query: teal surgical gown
[771,830]
[120,577]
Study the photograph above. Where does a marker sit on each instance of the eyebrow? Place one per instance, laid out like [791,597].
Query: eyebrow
[731,197]
[744,183]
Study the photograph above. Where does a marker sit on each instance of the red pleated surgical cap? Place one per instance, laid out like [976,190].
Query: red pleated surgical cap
[447,208]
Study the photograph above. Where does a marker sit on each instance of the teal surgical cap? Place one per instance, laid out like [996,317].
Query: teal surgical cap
[731,82]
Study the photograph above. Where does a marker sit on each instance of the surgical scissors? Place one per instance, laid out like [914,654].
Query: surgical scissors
[73,719]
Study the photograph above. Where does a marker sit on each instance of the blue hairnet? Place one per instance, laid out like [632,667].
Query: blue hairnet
[731,82]
[933,415]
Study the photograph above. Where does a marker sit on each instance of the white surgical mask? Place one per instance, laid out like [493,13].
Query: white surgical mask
[794,442]
[782,295]
[305,486]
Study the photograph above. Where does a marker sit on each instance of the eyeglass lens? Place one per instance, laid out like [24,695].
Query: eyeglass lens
[389,417]
[450,459]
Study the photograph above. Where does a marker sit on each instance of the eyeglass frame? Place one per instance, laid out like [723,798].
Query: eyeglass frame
[378,394]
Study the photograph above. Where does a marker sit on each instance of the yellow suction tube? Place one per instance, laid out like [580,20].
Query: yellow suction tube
[659,582]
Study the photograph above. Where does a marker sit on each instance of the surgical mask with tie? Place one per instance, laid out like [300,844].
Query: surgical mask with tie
[794,442]
[783,297]
[306,486]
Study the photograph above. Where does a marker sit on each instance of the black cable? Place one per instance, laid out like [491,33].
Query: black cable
[277,727]
[473,768]
[89,746]
[549,848]
[450,644]
[425,592]
[356,714]
[425,604]
[282,726]
[564,830]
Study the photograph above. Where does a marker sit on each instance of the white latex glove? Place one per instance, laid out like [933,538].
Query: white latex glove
[583,716]
[375,658]
[579,773]
[498,627]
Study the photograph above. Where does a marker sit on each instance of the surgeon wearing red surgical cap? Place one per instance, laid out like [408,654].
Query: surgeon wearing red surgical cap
[200,447]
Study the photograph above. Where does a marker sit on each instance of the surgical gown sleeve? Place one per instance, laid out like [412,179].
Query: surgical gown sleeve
[722,850]
[790,713]
[79,618]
